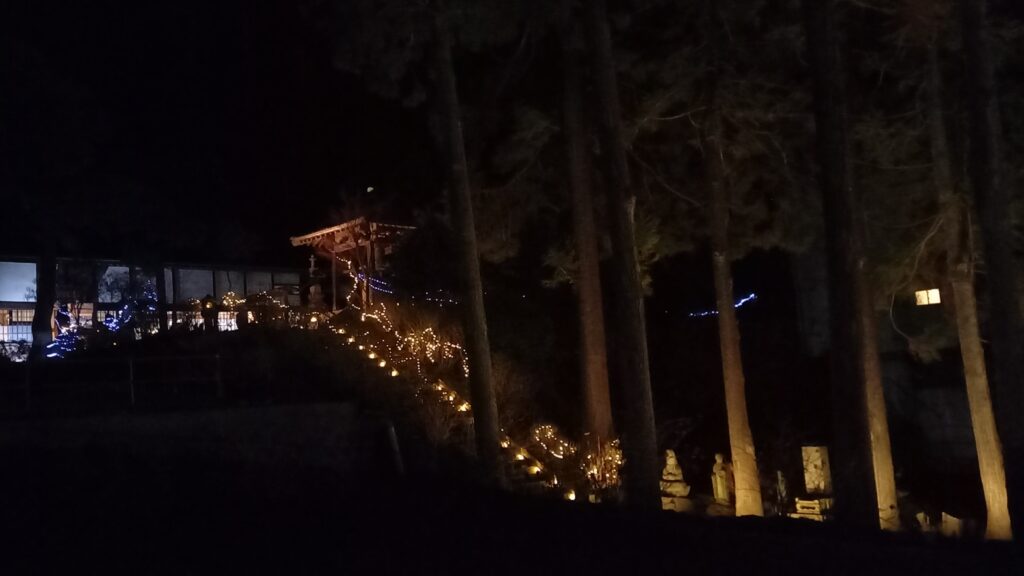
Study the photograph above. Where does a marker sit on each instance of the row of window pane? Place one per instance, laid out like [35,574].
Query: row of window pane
[85,281]
[16,325]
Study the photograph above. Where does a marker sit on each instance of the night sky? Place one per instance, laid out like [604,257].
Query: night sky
[225,119]
[228,112]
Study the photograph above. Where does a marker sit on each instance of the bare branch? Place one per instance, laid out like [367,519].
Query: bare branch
[661,180]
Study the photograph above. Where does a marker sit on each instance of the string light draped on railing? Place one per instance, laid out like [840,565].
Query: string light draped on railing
[404,353]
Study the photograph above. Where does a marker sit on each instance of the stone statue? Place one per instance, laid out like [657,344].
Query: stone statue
[721,480]
[316,297]
[673,489]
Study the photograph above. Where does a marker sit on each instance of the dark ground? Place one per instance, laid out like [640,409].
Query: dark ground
[310,489]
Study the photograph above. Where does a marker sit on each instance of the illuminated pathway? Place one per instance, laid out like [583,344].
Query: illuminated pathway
[374,334]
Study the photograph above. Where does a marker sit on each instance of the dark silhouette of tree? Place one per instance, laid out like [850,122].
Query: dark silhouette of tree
[960,272]
[485,409]
[741,440]
[641,477]
[856,500]
[993,197]
[593,350]
[398,48]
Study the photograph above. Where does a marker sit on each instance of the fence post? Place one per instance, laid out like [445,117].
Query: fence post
[131,380]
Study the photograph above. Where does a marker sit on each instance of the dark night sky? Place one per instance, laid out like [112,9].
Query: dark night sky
[223,108]
[227,105]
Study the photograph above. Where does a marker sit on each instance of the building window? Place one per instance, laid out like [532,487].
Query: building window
[226,321]
[16,325]
[17,282]
[256,282]
[229,281]
[196,284]
[928,297]
[113,284]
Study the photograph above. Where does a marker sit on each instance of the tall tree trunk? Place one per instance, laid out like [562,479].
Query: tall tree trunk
[593,350]
[878,423]
[639,442]
[46,295]
[960,273]
[474,321]
[856,500]
[741,440]
[994,199]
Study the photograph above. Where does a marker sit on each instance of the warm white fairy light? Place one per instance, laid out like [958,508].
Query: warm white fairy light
[230,300]
[426,347]
[548,439]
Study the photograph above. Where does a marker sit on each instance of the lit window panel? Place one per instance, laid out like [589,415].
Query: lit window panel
[928,297]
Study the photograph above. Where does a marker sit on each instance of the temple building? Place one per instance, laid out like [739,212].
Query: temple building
[359,247]
[96,288]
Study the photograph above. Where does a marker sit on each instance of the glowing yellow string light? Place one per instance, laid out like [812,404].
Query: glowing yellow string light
[424,347]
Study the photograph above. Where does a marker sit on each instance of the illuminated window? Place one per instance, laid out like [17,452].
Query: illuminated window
[17,281]
[928,297]
[16,325]
[226,321]
[113,284]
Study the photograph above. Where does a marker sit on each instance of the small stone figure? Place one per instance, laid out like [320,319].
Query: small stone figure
[721,480]
[316,297]
[924,523]
[781,490]
[673,489]
[951,526]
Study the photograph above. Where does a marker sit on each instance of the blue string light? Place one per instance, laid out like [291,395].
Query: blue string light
[67,340]
[739,304]
[376,284]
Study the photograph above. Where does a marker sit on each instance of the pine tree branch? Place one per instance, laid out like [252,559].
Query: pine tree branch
[661,180]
